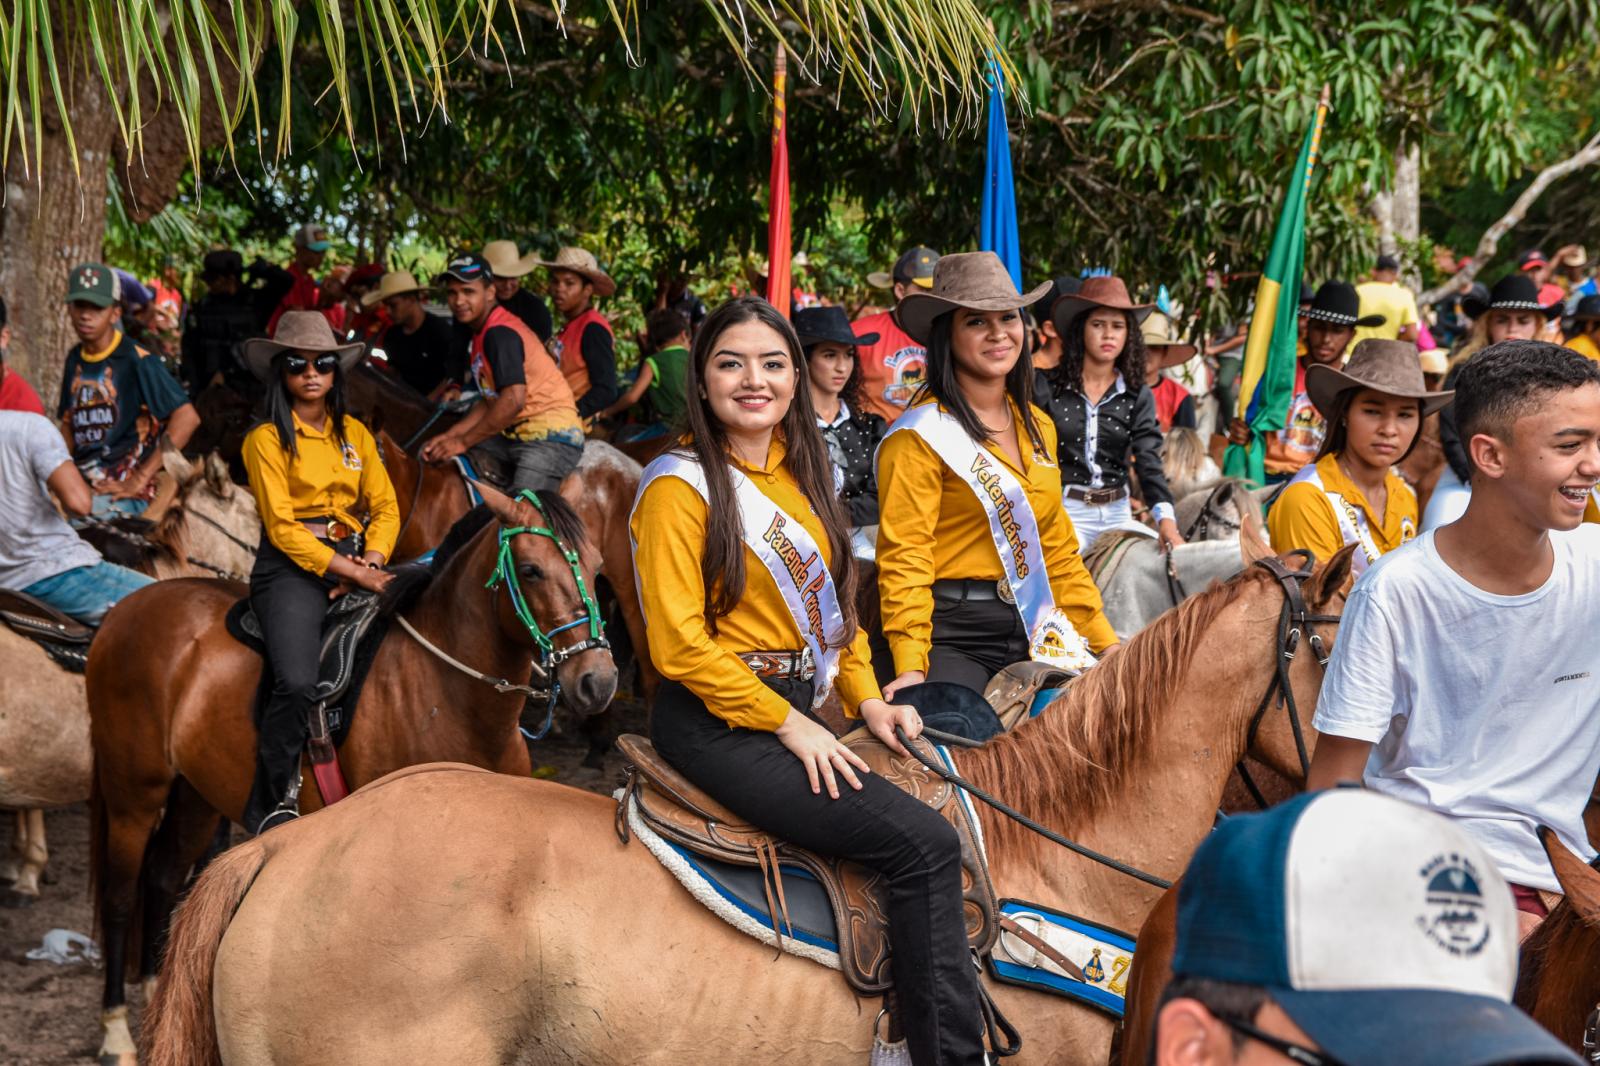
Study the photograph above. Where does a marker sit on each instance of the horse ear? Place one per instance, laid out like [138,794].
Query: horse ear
[510,512]
[1579,881]
[1334,579]
[173,462]
[217,476]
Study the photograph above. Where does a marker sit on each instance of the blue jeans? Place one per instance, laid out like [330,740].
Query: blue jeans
[88,592]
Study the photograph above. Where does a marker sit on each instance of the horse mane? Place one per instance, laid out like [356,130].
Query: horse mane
[1185,460]
[413,579]
[1088,740]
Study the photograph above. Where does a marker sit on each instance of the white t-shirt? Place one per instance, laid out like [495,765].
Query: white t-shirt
[35,541]
[1483,708]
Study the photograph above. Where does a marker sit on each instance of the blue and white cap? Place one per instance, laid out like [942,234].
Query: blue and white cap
[1382,929]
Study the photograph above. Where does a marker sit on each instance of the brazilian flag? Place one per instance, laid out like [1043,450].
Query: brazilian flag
[1267,382]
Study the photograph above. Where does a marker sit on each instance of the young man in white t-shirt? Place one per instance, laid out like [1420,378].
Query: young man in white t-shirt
[1466,675]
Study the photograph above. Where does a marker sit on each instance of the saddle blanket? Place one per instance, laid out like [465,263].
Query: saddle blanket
[1105,956]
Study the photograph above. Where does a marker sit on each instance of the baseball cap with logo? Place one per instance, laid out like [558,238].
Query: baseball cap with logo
[914,267]
[1381,929]
[94,283]
[312,237]
[465,266]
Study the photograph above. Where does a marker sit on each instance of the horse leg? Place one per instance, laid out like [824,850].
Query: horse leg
[186,831]
[12,863]
[32,854]
[122,850]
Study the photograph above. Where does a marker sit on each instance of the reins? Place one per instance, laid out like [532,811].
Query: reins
[548,656]
[1197,531]
[1292,621]
[142,541]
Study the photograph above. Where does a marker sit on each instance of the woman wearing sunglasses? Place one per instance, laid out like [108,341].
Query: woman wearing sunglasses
[329,521]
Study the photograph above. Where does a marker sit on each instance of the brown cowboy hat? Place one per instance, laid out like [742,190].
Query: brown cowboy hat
[1161,338]
[298,331]
[974,280]
[1390,367]
[1097,292]
[583,263]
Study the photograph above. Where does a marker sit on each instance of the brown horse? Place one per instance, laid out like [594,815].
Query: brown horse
[568,946]
[170,704]
[384,402]
[1558,982]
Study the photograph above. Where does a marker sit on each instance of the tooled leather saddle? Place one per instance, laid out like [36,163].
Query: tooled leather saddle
[64,639]
[684,815]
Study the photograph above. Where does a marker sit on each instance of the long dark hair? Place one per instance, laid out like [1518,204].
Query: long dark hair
[850,395]
[280,405]
[1337,437]
[1130,364]
[805,457]
[942,385]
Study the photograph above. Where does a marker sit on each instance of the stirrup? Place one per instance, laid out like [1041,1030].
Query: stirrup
[287,811]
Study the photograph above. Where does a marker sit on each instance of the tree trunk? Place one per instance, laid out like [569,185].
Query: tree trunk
[48,226]
[1406,205]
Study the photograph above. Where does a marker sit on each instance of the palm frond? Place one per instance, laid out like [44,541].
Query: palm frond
[925,57]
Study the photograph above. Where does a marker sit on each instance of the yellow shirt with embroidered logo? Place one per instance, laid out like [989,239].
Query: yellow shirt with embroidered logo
[324,481]
[1584,345]
[931,526]
[669,529]
[1303,517]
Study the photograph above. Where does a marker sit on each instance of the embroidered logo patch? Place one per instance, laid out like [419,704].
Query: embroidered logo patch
[1453,915]
[352,458]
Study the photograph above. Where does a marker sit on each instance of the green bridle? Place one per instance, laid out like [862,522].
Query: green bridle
[505,572]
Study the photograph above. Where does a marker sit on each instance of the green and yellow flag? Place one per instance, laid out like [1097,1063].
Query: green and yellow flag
[1267,382]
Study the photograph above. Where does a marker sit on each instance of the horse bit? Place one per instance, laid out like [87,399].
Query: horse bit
[549,657]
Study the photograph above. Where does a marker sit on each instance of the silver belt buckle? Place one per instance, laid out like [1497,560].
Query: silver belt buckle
[808,665]
[1003,587]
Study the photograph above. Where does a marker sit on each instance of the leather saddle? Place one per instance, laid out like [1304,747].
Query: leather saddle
[64,638]
[686,816]
[1023,689]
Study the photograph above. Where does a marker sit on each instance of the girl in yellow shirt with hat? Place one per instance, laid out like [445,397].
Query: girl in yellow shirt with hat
[315,472]
[1374,409]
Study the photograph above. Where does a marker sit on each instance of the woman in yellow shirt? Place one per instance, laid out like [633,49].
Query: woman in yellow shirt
[748,588]
[1374,409]
[315,472]
[977,561]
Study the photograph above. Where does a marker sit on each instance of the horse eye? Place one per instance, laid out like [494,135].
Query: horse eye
[531,572]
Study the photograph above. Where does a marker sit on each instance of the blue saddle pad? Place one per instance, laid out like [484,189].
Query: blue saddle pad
[1104,954]
[740,887]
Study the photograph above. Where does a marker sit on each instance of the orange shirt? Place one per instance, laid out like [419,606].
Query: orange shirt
[892,368]
[548,409]
[567,349]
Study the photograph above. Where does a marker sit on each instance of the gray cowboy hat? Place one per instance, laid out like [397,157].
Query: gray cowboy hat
[1106,291]
[974,280]
[1390,367]
[298,331]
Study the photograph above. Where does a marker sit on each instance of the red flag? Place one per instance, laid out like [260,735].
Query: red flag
[778,252]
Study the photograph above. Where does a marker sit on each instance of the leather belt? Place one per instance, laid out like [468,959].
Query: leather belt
[964,590]
[1097,497]
[787,665]
[332,529]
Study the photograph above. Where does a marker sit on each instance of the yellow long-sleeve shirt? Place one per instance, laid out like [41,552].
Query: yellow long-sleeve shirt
[669,527]
[325,481]
[1302,517]
[931,526]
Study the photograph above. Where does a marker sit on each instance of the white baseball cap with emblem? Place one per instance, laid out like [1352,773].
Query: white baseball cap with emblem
[1382,929]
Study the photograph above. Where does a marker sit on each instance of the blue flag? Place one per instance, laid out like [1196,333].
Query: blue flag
[999,234]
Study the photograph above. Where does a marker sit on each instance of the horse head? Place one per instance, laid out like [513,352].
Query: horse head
[1294,697]
[548,567]
[201,518]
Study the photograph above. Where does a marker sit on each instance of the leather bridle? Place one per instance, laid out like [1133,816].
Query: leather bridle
[1591,1036]
[1197,531]
[1294,622]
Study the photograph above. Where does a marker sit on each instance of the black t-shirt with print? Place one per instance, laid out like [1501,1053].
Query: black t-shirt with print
[427,356]
[532,310]
[114,406]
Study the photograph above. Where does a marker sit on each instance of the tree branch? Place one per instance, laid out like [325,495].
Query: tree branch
[1585,156]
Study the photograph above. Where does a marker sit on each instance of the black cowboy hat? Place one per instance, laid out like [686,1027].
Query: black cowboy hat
[1514,292]
[1336,302]
[1588,309]
[828,325]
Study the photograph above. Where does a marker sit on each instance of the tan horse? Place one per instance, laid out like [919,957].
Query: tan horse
[453,916]
[198,514]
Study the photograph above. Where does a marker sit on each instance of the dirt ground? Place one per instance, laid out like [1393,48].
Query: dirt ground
[49,1013]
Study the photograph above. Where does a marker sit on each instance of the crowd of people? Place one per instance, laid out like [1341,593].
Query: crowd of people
[971,441]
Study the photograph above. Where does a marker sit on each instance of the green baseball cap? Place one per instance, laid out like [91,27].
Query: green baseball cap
[94,283]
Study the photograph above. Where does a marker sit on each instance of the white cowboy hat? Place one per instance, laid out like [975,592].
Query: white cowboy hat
[394,283]
[581,262]
[506,262]
[298,331]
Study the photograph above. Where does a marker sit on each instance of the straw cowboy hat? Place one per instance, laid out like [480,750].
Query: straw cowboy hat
[394,283]
[1161,335]
[974,280]
[506,262]
[1389,367]
[298,331]
[1514,292]
[584,263]
[1106,291]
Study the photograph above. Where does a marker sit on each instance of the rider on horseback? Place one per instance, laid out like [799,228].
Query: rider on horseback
[951,485]
[749,589]
[313,471]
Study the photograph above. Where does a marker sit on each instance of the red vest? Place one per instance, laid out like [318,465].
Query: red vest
[567,349]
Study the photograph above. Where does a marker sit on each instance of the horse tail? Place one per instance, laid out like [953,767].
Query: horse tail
[179,1027]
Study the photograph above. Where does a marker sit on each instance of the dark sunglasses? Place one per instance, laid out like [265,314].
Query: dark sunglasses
[1294,1052]
[296,364]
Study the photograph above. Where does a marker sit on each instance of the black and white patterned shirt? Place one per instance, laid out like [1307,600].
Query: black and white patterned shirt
[852,440]
[1094,440]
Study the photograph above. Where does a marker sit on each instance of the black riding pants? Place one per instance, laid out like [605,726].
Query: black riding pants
[880,827]
[291,603]
[974,639]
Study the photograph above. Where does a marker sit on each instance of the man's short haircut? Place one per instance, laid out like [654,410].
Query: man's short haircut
[663,324]
[1505,381]
[1226,1000]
